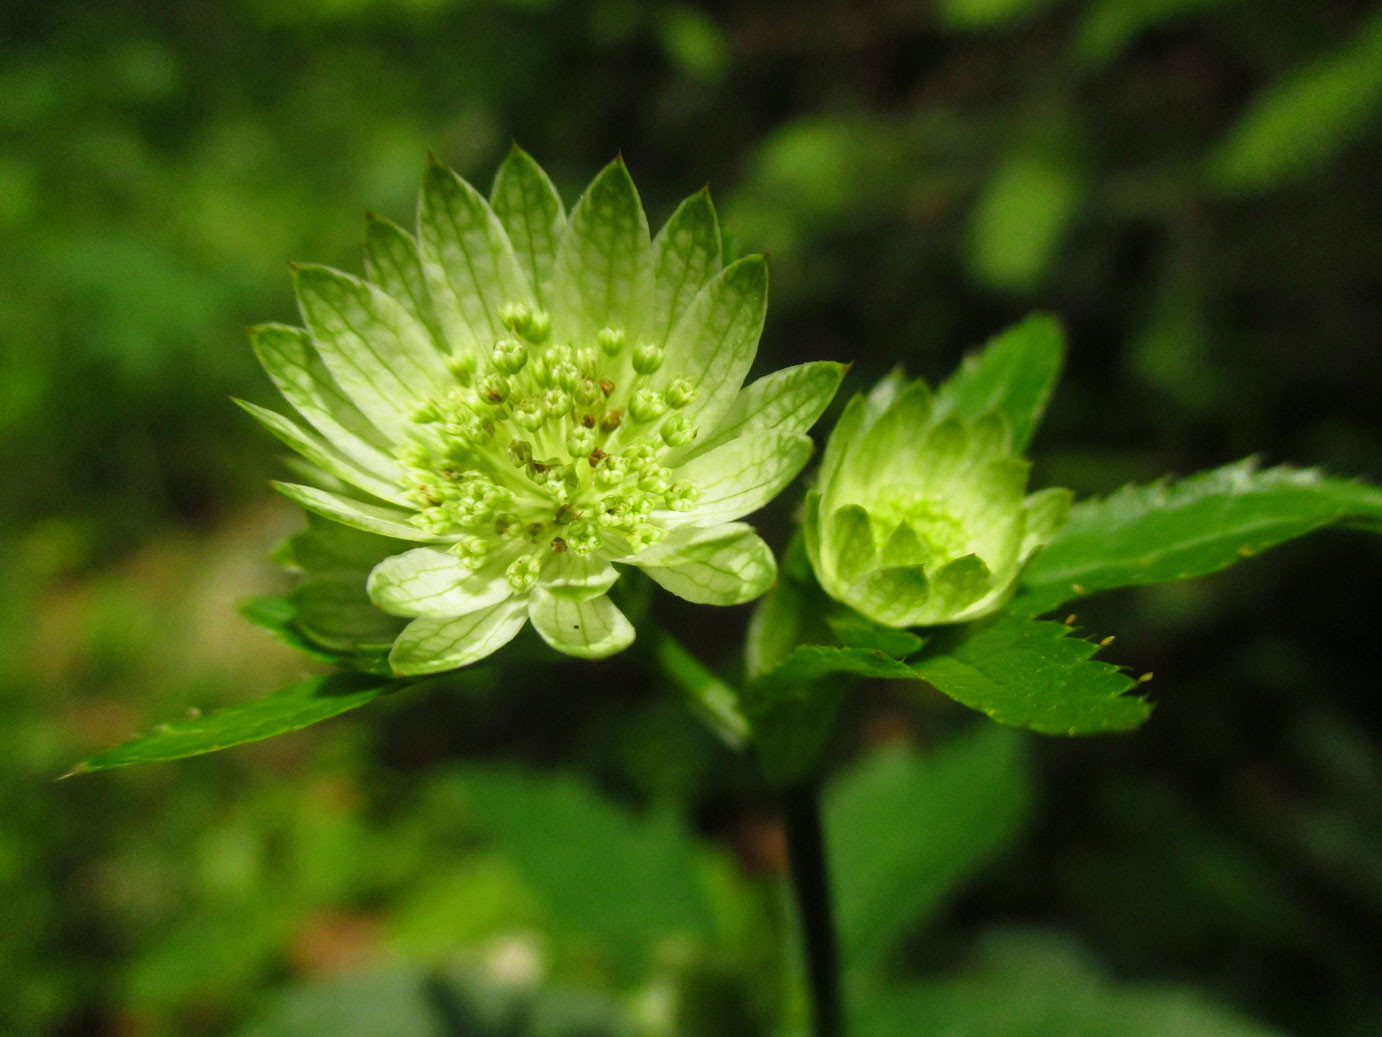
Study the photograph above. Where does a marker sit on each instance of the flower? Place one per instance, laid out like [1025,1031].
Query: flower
[918,516]
[521,399]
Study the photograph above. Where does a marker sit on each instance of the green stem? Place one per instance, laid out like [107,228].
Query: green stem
[801,813]
[708,697]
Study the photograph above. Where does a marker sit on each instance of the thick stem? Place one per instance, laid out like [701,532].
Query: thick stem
[801,813]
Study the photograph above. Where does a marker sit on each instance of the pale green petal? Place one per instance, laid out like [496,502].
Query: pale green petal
[714,343]
[722,565]
[393,262]
[893,597]
[810,528]
[428,582]
[789,400]
[893,442]
[321,453]
[902,548]
[850,539]
[743,474]
[954,589]
[530,209]
[372,518]
[579,577]
[604,267]
[1046,511]
[687,253]
[334,612]
[587,629]
[843,439]
[378,352]
[432,644]
[298,371]
[471,269]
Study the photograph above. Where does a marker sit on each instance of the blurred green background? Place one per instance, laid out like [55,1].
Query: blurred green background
[554,848]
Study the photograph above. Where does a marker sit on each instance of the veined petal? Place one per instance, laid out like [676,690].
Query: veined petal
[530,209]
[587,629]
[850,540]
[378,352]
[578,577]
[603,275]
[299,373]
[321,453]
[392,262]
[743,474]
[428,582]
[471,270]
[1045,512]
[431,644]
[686,254]
[333,611]
[892,597]
[958,585]
[722,565]
[372,518]
[714,343]
[789,400]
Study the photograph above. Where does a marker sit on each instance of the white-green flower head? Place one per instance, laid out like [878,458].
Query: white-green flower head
[529,397]
[918,517]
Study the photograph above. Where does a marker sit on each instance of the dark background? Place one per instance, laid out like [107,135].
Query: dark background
[1191,185]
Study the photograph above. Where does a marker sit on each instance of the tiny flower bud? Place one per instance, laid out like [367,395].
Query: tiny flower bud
[462,367]
[539,327]
[509,356]
[679,393]
[522,572]
[647,406]
[516,317]
[530,413]
[494,388]
[677,431]
[610,340]
[647,358]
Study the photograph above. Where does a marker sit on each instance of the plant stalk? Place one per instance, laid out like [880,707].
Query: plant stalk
[801,814]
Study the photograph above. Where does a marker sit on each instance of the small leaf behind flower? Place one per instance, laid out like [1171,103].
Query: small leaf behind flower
[1033,674]
[1174,531]
[290,709]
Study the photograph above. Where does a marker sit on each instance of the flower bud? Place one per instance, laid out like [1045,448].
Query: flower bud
[920,518]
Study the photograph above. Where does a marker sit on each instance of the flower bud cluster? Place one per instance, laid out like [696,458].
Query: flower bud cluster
[536,448]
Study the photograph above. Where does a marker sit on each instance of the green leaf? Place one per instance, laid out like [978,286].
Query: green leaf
[1032,984]
[375,349]
[1201,524]
[530,209]
[904,831]
[1014,374]
[792,706]
[290,709]
[1020,223]
[471,269]
[278,616]
[333,611]
[604,268]
[1033,674]
[1303,121]
[686,255]
[985,14]
[1109,26]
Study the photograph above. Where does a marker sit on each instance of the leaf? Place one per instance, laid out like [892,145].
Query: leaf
[904,830]
[1020,222]
[984,14]
[530,209]
[1033,984]
[792,706]
[1174,531]
[630,880]
[289,709]
[856,631]
[1014,373]
[1033,674]
[1301,122]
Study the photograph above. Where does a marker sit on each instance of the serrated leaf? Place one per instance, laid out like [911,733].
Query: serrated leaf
[904,831]
[530,209]
[290,709]
[1034,674]
[1175,531]
[1014,374]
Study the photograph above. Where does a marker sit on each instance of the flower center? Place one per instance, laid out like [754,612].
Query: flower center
[543,447]
[941,536]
